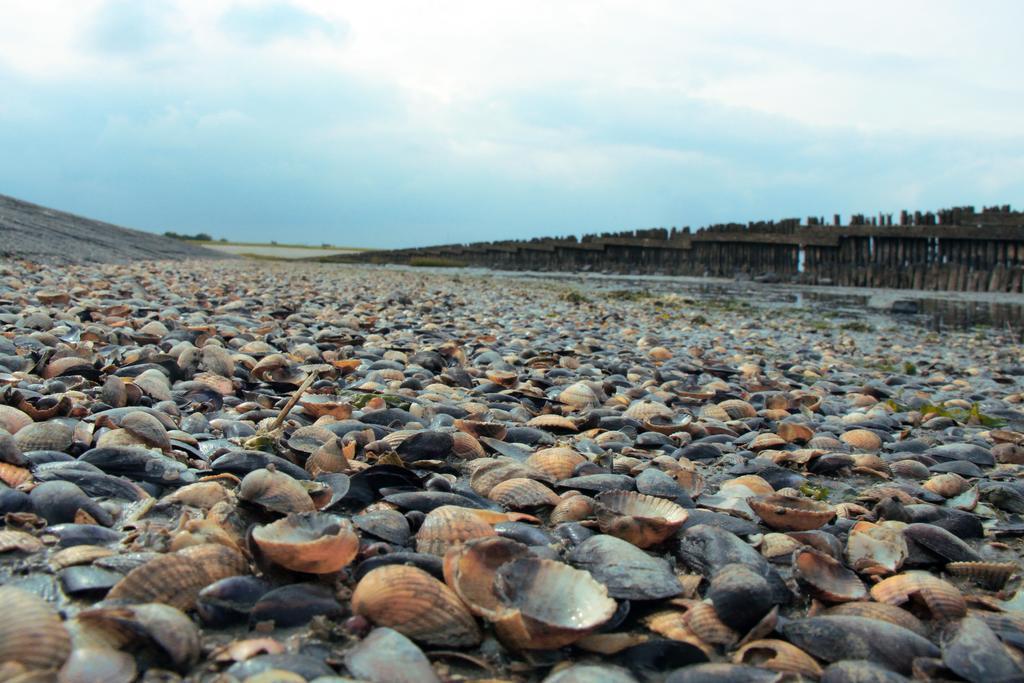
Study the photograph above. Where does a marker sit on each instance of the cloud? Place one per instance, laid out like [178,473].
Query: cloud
[383,124]
[269,21]
[131,28]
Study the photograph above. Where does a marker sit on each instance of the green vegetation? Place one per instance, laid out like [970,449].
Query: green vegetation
[574,296]
[198,237]
[857,326]
[630,295]
[435,262]
[360,399]
[203,237]
[909,368]
[815,492]
[972,415]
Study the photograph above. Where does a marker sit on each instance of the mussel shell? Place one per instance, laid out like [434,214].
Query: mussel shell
[389,525]
[386,656]
[975,653]
[295,604]
[723,673]
[860,671]
[139,464]
[230,600]
[833,638]
[740,596]
[86,664]
[628,572]
[707,549]
[58,502]
[241,463]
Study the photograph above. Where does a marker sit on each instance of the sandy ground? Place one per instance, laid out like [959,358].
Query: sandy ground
[276,251]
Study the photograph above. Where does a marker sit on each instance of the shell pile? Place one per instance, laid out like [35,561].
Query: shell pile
[238,472]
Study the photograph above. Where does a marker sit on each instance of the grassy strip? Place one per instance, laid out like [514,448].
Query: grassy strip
[435,262]
[312,247]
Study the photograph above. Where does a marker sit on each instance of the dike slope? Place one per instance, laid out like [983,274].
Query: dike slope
[37,233]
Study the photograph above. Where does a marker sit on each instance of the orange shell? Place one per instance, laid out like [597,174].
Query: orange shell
[416,605]
[941,598]
[36,637]
[523,494]
[778,655]
[548,604]
[786,513]
[469,570]
[862,439]
[640,519]
[176,579]
[572,509]
[990,575]
[826,577]
[312,542]
[558,462]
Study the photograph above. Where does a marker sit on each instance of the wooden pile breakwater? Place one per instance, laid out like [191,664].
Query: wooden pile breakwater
[953,249]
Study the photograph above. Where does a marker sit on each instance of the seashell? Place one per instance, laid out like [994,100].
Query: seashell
[13,475]
[778,655]
[558,463]
[553,422]
[466,446]
[940,598]
[523,494]
[746,486]
[387,655]
[876,549]
[330,457]
[791,514]
[36,639]
[972,650]
[778,547]
[989,575]
[294,605]
[275,491]
[827,578]
[476,429]
[147,429]
[449,525]
[98,664]
[416,605]
[202,494]
[12,420]
[628,572]
[492,472]
[909,469]
[230,600]
[737,409]
[947,485]
[659,353]
[835,638]
[862,439]
[648,410]
[703,621]
[78,554]
[707,549]
[794,432]
[176,579]
[765,441]
[741,597]
[640,519]
[572,509]
[45,436]
[312,542]
[162,631]
[390,525]
[11,539]
[470,569]
[547,604]
[940,542]
[880,611]
[580,396]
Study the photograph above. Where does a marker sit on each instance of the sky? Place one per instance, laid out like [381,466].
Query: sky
[391,124]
